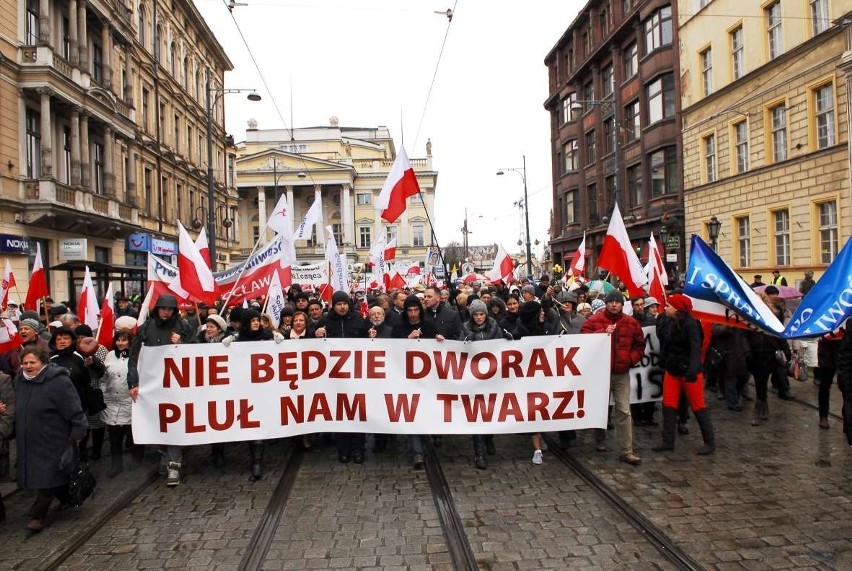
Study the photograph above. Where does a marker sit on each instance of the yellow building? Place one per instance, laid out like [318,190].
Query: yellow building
[345,167]
[765,111]
[103,139]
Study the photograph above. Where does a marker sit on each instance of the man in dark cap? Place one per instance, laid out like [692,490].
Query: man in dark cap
[758,281]
[123,307]
[806,284]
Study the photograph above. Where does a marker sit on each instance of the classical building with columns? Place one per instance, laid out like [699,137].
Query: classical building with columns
[103,139]
[345,168]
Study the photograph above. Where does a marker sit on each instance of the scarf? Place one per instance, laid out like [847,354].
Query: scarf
[28,377]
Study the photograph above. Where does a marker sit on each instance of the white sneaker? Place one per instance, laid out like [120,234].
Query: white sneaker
[537,459]
[173,478]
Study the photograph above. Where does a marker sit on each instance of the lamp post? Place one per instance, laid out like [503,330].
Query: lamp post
[713,228]
[603,103]
[211,190]
[523,172]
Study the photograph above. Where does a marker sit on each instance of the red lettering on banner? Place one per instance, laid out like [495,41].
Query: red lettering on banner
[319,359]
[347,407]
[287,369]
[537,403]
[213,418]
[448,401]
[565,360]
[581,402]
[510,407]
[319,407]
[445,362]
[402,406]
[490,361]
[337,368]
[512,361]
[410,362]
[476,409]
[539,364]
[245,410]
[169,413]
[182,374]
[288,409]
[375,364]
[561,413]
[358,365]
[261,368]
[191,427]
[358,405]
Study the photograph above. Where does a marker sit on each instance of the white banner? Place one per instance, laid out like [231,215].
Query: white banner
[646,376]
[197,394]
[310,277]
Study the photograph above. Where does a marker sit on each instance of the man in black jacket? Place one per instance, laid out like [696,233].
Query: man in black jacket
[446,320]
[164,326]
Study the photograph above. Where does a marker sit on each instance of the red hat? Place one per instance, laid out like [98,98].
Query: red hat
[680,302]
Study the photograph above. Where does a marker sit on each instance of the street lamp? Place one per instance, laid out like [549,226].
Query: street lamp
[211,191]
[523,172]
[221,213]
[610,103]
[713,228]
[664,237]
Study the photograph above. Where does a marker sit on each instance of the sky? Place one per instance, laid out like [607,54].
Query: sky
[372,62]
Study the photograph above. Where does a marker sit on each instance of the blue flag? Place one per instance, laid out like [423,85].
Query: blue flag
[828,304]
[708,277]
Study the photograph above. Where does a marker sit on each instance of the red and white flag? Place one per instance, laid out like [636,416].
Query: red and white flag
[282,224]
[87,307]
[9,337]
[145,309]
[194,275]
[312,217]
[338,268]
[618,256]
[203,246]
[503,267]
[413,269]
[654,269]
[7,284]
[578,261]
[377,254]
[399,186]
[275,299]
[38,283]
[390,250]
[106,330]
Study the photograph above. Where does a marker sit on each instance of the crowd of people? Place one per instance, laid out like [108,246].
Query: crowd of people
[61,388]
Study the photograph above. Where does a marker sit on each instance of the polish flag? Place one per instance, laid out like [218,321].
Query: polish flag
[377,254]
[87,307]
[145,309]
[390,250]
[503,267]
[203,246]
[106,329]
[282,224]
[7,284]
[9,337]
[38,283]
[578,261]
[413,269]
[194,275]
[314,215]
[618,256]
[399,186]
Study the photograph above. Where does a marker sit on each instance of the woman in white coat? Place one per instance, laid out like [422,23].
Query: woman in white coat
[117,415]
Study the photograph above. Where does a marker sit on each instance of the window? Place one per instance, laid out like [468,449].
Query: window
[66,155]
[590,147]
[663,172]
[146,109]
[631,60]
[417,233]
[609,192]
[572,155]
[149,192]
[741,146]
[66,40]
[571,207]
[779,132]
[609,135]
[588,94]
[661,99]
[364,236]
[567,108]
[737,55]
[337,231]
[824,99]
[142,37]
[173,59]
[177,132]
[186,73]
[773,29]
[390,236]
[782,237]
[819,16]
[586,44]
[710,158]
[658,29]
[634,185]
[744,240]
[32,23]
[364,198]
[592,201]
[33,129]
[707,70]
[828,239]
[162,121]
[97,63]
[416,198]
[189,142]
[631,118]
[608,80]
[98,166]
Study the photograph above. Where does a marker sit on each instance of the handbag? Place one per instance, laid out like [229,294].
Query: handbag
[82,483]
[95,400]
[781,357]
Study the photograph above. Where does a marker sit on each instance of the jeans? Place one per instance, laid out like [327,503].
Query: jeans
[415,442]
[619,385]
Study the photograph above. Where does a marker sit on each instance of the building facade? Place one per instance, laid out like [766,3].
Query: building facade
[765,131]
[103,138]
[345,168]
[615,123]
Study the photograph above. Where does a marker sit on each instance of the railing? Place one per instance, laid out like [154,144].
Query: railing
[125,213]
[61,65]
[100,205]
[65,195]
[386,164]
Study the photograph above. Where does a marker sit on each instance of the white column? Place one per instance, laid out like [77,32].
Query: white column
[130,196]
[106,48]
[109,162]
[291,206]
[85,169]
[75,146]
[72,33]
[377,224]
[347,213]
[261,213]
[84,37]
[321,223]
[44,22]
[46,135]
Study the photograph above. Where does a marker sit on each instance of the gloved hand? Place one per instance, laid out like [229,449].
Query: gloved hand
[277,337]
[228,340]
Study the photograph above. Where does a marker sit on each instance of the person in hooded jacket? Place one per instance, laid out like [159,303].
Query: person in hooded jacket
[251,329]
[343,323]
[413,325]
[164,326]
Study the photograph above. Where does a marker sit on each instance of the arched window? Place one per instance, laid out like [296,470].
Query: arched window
[186,73]
[158,39]
[173,59]
[142,23]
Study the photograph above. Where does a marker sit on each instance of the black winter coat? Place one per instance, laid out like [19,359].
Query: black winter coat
[7,419]
[446,320]
[351,325]
[680,345]
[71,360]
[485,332]
[404,328]
[48,417]
[155,333]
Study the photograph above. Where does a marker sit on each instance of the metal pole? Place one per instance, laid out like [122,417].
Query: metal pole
[617,132]
[211,196]
[527,217]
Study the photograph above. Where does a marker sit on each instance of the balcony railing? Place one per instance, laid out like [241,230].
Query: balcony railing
[83,201]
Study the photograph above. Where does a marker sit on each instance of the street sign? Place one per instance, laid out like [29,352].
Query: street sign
[671,257]
[673,242]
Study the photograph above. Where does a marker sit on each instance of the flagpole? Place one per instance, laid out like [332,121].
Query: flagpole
[240,274]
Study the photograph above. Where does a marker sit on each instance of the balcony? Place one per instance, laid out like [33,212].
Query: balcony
[42,56]
[49,204]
